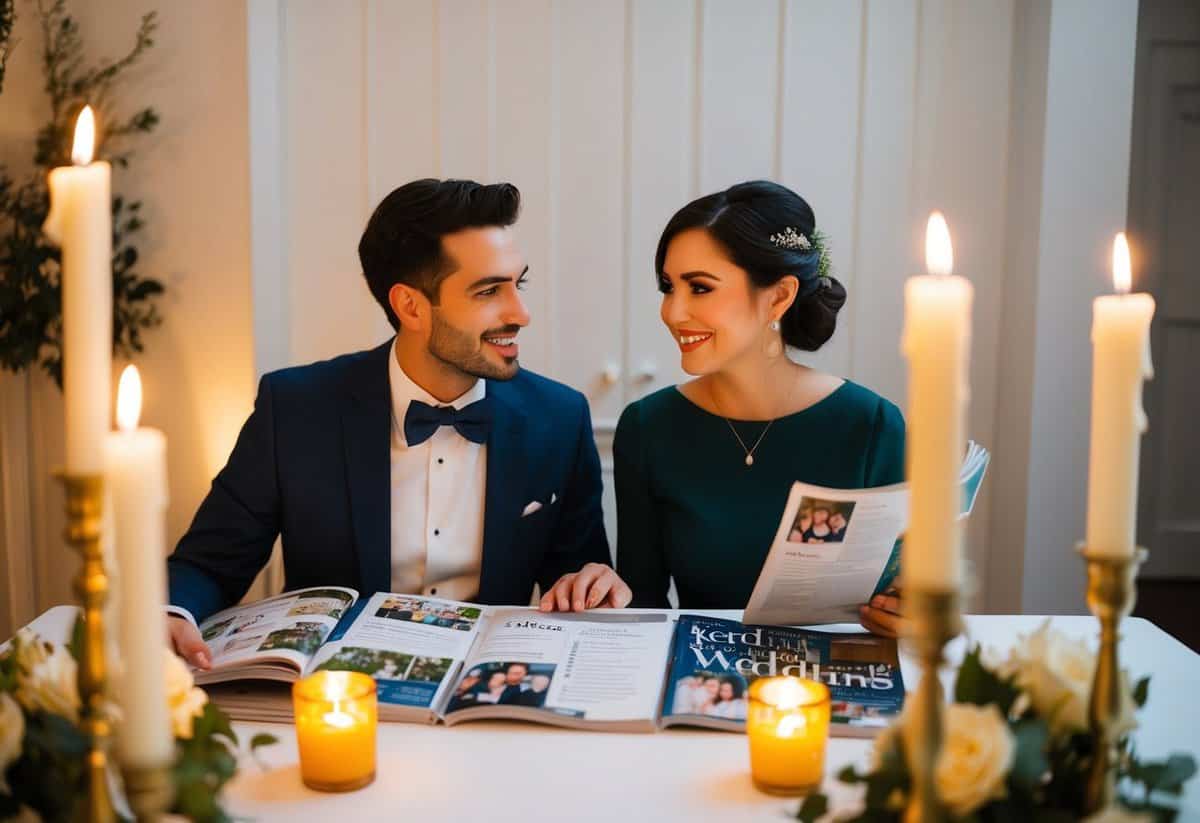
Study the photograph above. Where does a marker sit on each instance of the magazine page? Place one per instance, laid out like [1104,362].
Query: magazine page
[597,669]
[830,550]
[275,637]
[714,661]
[410,644]
[835,549]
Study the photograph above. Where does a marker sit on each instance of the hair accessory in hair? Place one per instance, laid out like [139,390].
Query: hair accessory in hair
[789,238]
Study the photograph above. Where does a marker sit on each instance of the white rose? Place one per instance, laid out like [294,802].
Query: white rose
[977,754]
[12,733]
[51,684]
[1056,673]
[185,699]
[30,649]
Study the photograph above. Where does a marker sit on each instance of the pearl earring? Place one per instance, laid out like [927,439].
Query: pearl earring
[775,343]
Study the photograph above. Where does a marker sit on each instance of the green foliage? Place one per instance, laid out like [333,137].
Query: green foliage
[206,762]
[49,776]
[7,18]
[1048,777]
[30,291]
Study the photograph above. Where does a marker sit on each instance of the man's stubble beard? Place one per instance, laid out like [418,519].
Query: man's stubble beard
[463,351]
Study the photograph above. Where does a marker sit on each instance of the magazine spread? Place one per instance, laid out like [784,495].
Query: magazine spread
[714,661]
[836,548]
[411,645]
[435,659]
[598,669]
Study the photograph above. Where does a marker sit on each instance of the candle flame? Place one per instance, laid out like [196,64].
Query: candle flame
[129,399]
[939,254]
[1121,270]
[85,137]
[790,724]
[338,718]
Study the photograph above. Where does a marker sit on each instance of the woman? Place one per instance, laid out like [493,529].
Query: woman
[819,531]
[703,469]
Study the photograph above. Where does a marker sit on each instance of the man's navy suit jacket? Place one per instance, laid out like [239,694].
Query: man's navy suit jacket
[313,464]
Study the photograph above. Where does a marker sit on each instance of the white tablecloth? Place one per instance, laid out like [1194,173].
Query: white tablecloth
[500,771]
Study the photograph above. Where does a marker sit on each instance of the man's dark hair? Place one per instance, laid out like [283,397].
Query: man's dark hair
[403,239]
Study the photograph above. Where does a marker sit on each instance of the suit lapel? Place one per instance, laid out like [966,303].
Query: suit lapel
[503,496]
[366,433]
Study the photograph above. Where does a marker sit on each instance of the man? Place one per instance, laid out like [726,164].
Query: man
[432,464]
[514,680]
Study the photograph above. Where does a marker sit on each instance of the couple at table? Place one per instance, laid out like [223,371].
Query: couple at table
[435,465]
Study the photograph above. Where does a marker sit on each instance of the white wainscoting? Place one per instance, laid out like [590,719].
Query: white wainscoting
[611,115]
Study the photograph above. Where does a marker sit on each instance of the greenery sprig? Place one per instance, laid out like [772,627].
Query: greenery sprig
[30,288]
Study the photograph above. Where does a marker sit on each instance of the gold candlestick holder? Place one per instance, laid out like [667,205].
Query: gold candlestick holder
[934,620]
[85,499]
[1111,593]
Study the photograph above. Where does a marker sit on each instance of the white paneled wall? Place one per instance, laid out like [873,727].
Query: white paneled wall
[611,115]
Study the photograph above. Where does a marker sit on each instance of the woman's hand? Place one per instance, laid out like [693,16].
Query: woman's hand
[882,615]
[594,586]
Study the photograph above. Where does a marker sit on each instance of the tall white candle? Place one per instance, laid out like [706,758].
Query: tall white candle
[1120,362]
[136,471]
[80,221]
[937,343]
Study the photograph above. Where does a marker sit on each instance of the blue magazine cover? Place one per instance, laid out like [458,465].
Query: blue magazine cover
[714,661]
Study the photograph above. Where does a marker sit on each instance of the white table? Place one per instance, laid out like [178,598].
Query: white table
[499,771]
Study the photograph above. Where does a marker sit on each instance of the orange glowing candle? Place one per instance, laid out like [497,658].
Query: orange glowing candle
[336,718]
[788,726]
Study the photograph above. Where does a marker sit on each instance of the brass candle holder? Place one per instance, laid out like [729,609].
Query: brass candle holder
[85,502]
[1111,594]
[934,620]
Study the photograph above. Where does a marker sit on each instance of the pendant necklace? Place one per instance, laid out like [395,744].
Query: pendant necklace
[749,451]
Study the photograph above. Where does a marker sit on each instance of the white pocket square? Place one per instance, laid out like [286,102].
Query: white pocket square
[531,508]
[553,498]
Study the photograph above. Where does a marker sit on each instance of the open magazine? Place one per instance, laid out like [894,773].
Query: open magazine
[837,548]
[442,660]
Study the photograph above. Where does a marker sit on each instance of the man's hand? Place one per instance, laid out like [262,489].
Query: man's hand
[187,642]
[594,586]
[882,615]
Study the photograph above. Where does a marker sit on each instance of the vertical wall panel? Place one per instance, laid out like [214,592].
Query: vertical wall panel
[739,92]
[886,248]
[402,94]
[661,145]
[962,113]
[521,151]
[589,230]
[465,82]
[819,137]
[325,180]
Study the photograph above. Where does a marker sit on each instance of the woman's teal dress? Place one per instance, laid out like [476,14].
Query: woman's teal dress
[689,507]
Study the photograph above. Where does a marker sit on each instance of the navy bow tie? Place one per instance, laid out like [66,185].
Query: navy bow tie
[472,422]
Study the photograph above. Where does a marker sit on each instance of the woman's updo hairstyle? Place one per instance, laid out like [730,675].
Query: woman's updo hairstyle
[751,222]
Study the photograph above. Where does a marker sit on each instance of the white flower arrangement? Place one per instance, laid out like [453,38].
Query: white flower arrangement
[1016,745]
[42,748]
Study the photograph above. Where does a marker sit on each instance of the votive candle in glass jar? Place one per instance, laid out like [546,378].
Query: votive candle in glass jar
[788,726]
[336,718]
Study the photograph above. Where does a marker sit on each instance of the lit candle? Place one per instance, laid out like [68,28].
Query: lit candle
[136,474]
[788,726]
[1120,362]
[336,716]
[937,343]
[80,221]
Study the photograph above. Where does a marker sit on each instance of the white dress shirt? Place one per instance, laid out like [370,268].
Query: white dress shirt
[437,500]
[438,492]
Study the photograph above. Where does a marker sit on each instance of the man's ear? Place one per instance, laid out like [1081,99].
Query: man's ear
[411,306]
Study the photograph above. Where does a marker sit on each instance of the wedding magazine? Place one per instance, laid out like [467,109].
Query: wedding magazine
[837,548]
[442,660]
